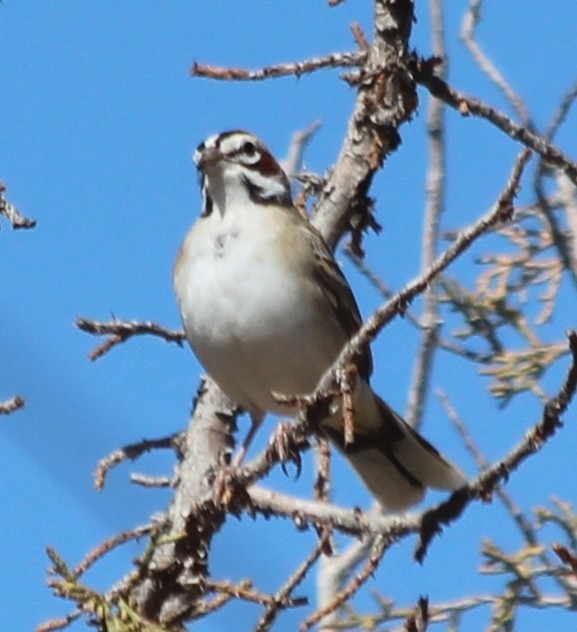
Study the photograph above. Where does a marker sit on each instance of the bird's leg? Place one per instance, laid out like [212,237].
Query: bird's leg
[256,420]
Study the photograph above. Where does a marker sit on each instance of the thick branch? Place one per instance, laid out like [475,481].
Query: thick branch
[171,582]
[385,100]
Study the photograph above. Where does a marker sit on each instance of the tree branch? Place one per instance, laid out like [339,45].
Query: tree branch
[12,214]
[12,404]
[131,452]
[119,331]
[171,581]
[423,72]
[435,187]
[334,60]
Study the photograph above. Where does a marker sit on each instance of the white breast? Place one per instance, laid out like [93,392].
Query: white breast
[253,324]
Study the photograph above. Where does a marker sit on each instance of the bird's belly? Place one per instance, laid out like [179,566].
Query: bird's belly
[255,332]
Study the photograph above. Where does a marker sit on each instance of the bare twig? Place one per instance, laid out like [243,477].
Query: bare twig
[152,481]
[334,60]
[562,111]
[483,486]
[293,161]
[119,331]
[423,71]
[322,490]
[471,19]
[59,624]
[501,212]
[12,404]
[435,187]
[378,549]
[12,214]
[562,241]
[347,381]
[111,543]
[281,598]
[309,512]
[243,590]
[131,452]
[360,37]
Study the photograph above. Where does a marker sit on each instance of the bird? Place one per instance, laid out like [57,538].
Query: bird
[267,310]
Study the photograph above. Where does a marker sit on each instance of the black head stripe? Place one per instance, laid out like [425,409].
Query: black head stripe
[207,203]
[260,195]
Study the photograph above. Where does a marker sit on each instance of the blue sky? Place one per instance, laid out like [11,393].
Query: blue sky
[98,120]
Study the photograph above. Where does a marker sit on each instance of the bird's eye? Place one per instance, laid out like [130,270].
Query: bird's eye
[249,148]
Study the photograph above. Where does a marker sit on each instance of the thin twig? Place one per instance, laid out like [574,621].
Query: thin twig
[435,187]
[119,331]
[300,139]
[131,452]
[334,60]
[347,382]
[243,590]
[12,404]
[108,545]
[520,519]
[378,549]
[152,481]
[562,111]
[360,37]
[501,212]
[12,214]
[483,486]
[567,254]
[423,72]
[59,624]
[322,489]
[282,596]
[471,19]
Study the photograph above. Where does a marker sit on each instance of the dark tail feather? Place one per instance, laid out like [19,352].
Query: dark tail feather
[394,461]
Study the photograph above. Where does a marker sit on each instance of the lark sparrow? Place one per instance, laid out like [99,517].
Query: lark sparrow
[266,309]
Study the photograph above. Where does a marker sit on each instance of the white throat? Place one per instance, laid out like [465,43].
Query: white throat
[227,190]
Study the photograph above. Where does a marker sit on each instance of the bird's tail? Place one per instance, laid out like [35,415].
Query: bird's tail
[394,461]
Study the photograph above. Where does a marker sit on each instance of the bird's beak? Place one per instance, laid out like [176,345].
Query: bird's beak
[207,156]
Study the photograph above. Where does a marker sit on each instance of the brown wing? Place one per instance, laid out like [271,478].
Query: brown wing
[336,287]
